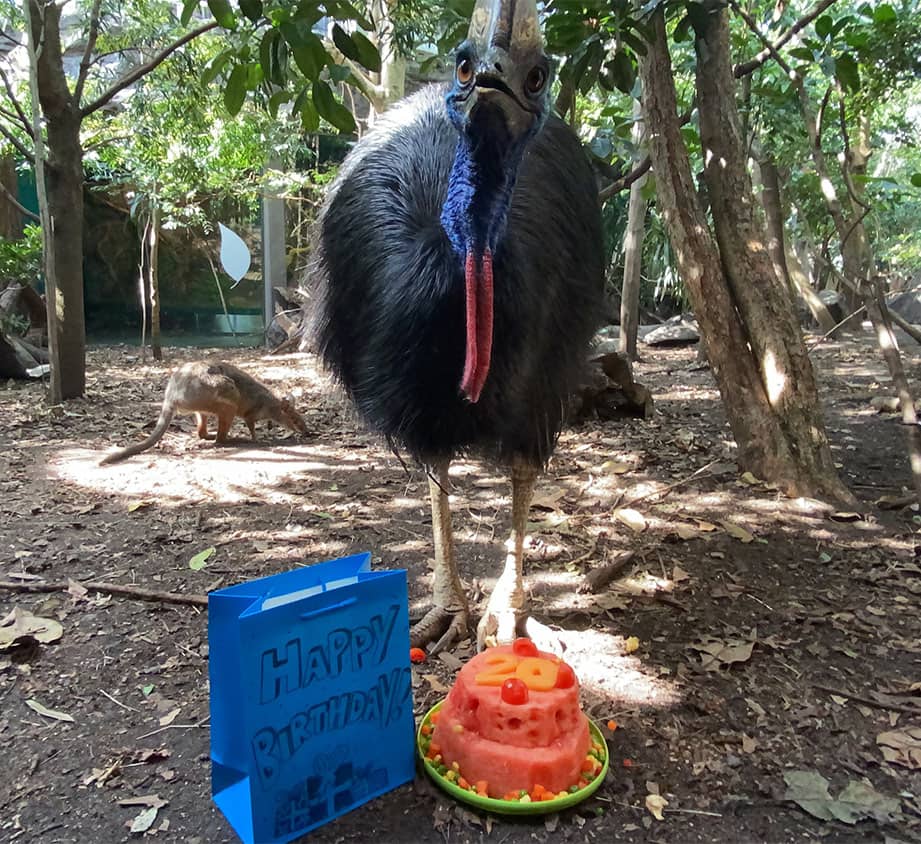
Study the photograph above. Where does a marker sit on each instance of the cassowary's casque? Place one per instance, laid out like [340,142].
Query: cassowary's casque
[459,272]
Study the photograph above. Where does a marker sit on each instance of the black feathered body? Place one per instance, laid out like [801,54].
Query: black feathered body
[390,320]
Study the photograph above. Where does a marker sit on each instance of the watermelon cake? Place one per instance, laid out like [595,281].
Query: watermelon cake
[512,724]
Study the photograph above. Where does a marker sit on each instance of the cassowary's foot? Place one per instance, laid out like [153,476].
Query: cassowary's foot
[441,626]
[505,614]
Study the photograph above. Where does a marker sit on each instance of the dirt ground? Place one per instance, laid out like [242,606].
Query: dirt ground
[779,641]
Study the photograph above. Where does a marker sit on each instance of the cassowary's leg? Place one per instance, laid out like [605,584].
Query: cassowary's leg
[506,604]
[447,621]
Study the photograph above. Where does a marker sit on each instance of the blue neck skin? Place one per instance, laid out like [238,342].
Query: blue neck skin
[480,186]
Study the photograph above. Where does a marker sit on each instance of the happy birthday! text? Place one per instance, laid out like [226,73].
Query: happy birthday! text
[305,662]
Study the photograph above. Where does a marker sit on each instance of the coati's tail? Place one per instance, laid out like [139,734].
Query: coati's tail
[166,416]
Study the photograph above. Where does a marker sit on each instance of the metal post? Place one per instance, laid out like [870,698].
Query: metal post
[273,249]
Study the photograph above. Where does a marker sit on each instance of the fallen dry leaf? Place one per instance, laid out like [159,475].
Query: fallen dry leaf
[679,574]
[170,716]
[687,532]
[436,684]
[715,653]
[633,519]
[902,747]
[144,821]
[35,706]
[20,625]
[737,531]
[655,803]
[856,802]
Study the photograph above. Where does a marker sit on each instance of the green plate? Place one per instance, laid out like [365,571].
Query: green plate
[512,807]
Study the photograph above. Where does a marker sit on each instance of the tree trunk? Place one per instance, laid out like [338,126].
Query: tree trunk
[772,204]
[744,313]
[153,251]
[59,179]
[802,285]
[10,216]
[633,254]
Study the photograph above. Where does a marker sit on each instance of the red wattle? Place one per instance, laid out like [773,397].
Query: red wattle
[479,308]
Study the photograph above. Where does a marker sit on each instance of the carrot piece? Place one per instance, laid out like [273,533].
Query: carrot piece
[481,787]
[587,765]
[426,729]
[463,783]
[612,725]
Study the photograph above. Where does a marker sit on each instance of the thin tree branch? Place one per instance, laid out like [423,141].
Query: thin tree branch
[110,589]
[20,112]
[86,61]
[625,181]
[744,68]
[142,70]
[769,48]
[21,148]
[104,141]
[373,92]
[820,117]
[5,192]
[848,158]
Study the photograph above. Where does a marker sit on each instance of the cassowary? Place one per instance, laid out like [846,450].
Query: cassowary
[459,272]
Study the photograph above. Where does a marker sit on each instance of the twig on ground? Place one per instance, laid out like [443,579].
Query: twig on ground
[661,493]
[110,589]
[868,701]
[118,702]
[173,727]
[598,579]
[591,550]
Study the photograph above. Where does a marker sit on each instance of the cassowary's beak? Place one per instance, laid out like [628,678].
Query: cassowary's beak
[508,48]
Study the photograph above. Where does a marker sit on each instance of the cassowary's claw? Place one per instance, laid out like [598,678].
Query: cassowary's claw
[444,627]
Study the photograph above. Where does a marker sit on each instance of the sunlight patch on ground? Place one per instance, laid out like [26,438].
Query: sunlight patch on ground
[624,681]
[218,475]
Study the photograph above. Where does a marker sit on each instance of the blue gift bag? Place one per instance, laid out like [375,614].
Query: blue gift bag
[311,696]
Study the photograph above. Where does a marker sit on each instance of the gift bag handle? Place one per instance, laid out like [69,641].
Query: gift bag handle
[313,613]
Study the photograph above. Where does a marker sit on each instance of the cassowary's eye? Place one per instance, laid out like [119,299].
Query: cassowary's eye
[536,79]
[464,71]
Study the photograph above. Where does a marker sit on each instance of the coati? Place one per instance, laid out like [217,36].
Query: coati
[222,389]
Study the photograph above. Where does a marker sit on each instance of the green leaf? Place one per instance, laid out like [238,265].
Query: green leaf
[344,9]
[235,90]
[198,562]
[303,105]
[802,53]
[252,9]
[188,9]
[330,109]
[884,14]
[916,180]
[223,13]
[367,53]
[267,53]
[344,42]
[276,101]
[622,71]
[146,690]
[824,26]
[213,70]
[310,119]
[847,72]
[311,58]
